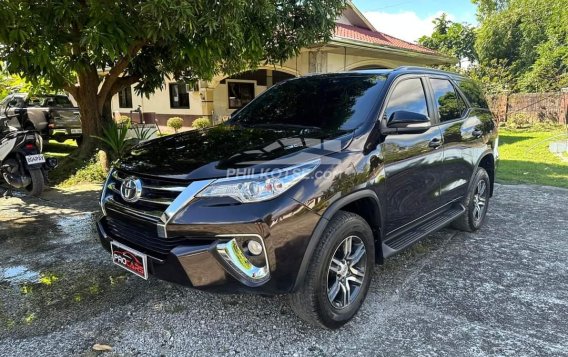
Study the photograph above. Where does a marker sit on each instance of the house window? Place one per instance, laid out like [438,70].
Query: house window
[179,95]
[125,98]
[240,94]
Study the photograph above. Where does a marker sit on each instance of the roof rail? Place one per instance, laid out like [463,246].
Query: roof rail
[426,69]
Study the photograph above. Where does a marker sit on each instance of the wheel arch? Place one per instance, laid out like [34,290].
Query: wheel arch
[487,161]
[364,203]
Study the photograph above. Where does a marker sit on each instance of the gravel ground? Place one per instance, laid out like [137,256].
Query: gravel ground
[502,291]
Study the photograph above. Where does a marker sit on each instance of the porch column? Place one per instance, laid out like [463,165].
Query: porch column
[317,62]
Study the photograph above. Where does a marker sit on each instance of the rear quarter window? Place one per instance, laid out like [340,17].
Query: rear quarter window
[472,92]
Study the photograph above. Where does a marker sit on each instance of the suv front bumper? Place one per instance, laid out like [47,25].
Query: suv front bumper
[219,264]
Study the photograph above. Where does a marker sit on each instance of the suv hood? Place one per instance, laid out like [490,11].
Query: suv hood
[228,151]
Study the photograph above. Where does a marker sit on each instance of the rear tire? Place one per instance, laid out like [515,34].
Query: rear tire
[339,273]
[476,204]
[37,185]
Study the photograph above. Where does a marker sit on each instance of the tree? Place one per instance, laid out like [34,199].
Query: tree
[451,38]
[94,48]
[486,8]
[528,39]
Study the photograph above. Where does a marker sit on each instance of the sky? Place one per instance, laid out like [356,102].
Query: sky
[411,19]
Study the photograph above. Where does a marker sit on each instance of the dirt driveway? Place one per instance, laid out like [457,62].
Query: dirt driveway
[502,291]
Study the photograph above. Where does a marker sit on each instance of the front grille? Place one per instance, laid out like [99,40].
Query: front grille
[135,223]
[142,237]
[156,195]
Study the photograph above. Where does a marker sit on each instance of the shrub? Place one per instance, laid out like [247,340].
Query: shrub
[519,121]
[114,138]
[90,172]
[201,123]
[124,120]
[175,123]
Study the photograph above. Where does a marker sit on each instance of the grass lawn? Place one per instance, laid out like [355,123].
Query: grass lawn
[70,171]
[59,150]
[525,158]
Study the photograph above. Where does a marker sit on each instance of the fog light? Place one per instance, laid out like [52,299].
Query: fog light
[254,247]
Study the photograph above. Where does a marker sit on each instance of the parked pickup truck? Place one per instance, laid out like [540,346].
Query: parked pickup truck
[53,116]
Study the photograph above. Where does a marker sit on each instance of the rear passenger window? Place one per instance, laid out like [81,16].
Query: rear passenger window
[450,104]
[408,95]
[473,93]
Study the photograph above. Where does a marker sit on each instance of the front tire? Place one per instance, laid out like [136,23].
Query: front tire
[37,186]
[476,204]
[339,273]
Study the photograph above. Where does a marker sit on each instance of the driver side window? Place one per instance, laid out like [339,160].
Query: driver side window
[408,95]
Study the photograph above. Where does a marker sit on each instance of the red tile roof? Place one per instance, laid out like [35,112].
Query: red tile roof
[378,38]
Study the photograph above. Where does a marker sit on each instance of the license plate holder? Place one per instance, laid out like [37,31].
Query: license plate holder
[76,131]
[35,159]
[129,259]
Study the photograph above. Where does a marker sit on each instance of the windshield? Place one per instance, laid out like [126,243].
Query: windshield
[50,101]
[331,103]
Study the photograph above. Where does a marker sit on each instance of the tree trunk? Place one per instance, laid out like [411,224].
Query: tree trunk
[92,120]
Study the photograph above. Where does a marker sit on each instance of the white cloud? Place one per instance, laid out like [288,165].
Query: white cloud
[406,25]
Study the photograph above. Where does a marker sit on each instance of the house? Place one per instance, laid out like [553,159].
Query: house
[355,44]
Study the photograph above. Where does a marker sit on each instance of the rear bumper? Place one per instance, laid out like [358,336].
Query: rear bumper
[200,266]
[64,133]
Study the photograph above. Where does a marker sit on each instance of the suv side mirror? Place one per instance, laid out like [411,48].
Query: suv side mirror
[405,122]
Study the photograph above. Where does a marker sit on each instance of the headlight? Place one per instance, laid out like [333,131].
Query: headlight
[261,187]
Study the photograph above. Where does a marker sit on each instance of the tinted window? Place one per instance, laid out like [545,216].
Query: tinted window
[450,104]
[409,96]
[47,101]
[473,93]
[328,103]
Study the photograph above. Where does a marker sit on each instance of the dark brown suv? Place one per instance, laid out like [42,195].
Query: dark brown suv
[306,188]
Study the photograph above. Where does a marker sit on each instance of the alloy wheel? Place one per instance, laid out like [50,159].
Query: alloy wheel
[480,201]
[346,272]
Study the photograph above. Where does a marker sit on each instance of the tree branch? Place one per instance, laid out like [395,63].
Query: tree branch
[72,89]
[123,82]
[120,66]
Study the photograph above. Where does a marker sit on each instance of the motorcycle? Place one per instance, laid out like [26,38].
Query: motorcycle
[22,164]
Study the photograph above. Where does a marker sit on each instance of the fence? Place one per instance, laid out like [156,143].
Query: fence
[536,107]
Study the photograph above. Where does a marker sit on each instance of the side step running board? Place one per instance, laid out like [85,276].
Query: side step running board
[394,245]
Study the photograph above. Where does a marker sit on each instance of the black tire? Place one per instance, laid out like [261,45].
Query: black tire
[313,302]
[473,219]
[37,185]
[79,140]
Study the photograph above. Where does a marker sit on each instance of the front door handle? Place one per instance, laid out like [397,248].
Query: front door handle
[477,133]
[435,143]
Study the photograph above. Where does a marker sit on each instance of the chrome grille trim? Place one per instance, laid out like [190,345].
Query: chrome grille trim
[147,215]
[167,189]
[151,195]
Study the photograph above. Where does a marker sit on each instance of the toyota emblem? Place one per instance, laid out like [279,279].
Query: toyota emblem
[131,189]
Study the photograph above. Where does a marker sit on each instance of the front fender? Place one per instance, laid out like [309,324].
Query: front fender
[324,221]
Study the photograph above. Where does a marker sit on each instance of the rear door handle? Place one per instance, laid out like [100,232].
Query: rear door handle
[435,143]
[477,132]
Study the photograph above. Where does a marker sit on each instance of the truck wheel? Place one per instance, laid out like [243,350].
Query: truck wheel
[339,273]
[37,185]
[476,203]
[79,140]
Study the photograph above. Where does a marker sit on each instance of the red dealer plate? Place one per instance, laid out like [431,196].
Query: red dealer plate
[129,259]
